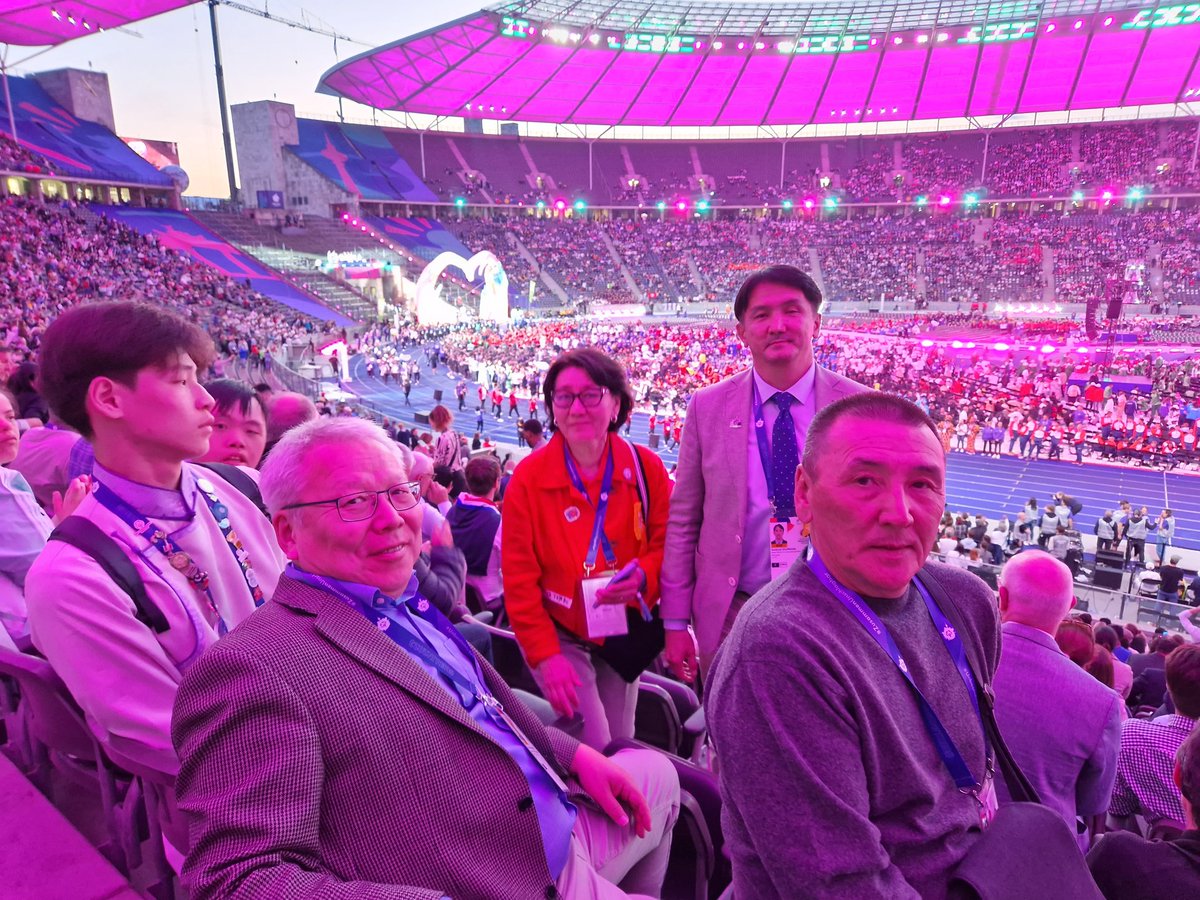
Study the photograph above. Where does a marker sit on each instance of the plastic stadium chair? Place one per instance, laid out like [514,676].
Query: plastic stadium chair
[687,704]
[1165,830]
[657,721]
[541,708]
[510,662]
[60,741]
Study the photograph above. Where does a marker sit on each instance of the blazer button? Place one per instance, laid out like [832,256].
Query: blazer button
[733,582]
[737,538]
[525,804]
[551,892]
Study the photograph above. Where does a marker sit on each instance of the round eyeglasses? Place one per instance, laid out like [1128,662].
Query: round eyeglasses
[362,505]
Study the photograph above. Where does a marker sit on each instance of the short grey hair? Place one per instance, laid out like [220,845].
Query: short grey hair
[285,473]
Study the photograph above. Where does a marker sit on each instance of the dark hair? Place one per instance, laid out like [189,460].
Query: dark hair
[1188,758]
[1100,666]
[116,340]
[1137,643]
[533,426]
[482,473]
[873,406]
[440,417]
[598,366]
[1106,637]
[784,276]
[1085,617]
[1183,679]
[228,394]
[1075,639]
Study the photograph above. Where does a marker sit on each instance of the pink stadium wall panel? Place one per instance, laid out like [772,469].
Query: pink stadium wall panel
[717,75]
[897,83]
[751,96]
[1106,69]
[796,102]
[1164,66]
[1001,70]
[947,85]
[662,90]
[1056,59]
[852,74]
[620,87]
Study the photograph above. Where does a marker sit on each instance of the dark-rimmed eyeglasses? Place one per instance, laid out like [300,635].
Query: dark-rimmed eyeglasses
[362,505]
[589,397]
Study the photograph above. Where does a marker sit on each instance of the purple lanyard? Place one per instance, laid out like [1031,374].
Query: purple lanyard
[760,432]
[599,538]
[957,766]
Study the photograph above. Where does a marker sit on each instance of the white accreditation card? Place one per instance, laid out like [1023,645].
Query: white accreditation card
[787,542]
[989,803]
[603,619]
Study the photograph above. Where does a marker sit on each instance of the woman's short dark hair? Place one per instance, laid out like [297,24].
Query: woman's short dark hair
[115,339]
[1106,637]
[228,394]
[784,276]
[602,369]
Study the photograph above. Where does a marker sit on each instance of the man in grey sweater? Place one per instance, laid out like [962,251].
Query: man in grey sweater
[831,784]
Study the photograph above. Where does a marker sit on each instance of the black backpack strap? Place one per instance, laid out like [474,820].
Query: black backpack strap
[642,488]
[1019,786]
[240,480]
[84,535]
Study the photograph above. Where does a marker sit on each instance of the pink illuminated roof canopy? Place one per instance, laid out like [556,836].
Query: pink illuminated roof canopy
[33,23]
[674,62]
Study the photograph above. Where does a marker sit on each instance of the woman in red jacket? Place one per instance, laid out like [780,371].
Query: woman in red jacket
[559,567]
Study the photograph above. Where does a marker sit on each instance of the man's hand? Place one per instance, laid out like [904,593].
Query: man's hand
[65,505]
[611,787]
[437,494]
[681,654]
[559,680]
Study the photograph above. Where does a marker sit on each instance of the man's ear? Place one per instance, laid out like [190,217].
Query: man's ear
[1003,592]
[104,399]
[802,494]
[285,533]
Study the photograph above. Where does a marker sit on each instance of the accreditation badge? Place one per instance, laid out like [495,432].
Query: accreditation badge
[989,803]
[787,541]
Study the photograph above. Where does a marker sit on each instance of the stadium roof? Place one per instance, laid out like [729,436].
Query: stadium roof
[678,63]
[34,23]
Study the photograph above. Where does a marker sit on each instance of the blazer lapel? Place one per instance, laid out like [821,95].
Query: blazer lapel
[358,637]
[735,426]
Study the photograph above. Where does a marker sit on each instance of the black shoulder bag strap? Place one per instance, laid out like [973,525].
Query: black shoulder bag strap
[85,536]
[241,481]
[1019,787]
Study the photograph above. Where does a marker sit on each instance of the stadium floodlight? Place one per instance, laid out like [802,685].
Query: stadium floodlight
[1077,196]
[541,204]
[560,204]
[702,205]
[831,202]
[580,205]
[971,199]
[922,200]
[944,200]
[661,204]
[809,203]
[460,202]
[927,343]
[1001,346]
[681,205]
[1047,348]
[1106,196]
[1136,193]
[787,204]
[957,345]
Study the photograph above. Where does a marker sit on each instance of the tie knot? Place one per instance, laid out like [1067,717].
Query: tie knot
[784,401]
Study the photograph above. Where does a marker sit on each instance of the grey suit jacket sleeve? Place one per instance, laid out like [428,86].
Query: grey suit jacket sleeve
[678,575]
[441,575]
[268,845]
[1093,790]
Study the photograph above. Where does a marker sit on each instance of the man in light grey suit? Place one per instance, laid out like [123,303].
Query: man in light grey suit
[718,549]
[1061,724]
[348,743]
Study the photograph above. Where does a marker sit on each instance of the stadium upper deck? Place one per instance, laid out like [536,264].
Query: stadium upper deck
[703,64]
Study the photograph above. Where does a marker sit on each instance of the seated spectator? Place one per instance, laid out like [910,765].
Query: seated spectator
[124,375]
[349,677]
[44,458]
[1075,639]
[286,410]
[239,435]
[1145,784]
[1064,737]
[1129,867]
[1150,683]
[1106,637]
[475,523]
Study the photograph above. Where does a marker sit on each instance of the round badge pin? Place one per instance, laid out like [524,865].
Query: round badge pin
[571,513]
[179,561]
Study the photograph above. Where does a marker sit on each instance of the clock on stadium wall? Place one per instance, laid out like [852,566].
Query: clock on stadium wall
[283,118]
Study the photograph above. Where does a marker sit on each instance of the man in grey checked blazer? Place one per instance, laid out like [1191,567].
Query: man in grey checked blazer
[323,756]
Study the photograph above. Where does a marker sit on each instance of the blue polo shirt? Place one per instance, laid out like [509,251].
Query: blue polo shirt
[556,814]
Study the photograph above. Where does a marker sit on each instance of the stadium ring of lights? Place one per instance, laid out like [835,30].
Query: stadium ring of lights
[678,63]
